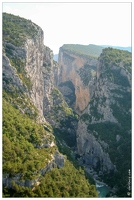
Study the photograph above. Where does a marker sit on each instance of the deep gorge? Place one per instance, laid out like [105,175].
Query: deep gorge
[74,114]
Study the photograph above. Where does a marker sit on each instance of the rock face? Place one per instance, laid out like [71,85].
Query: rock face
[26,63]
[30,73]
[36,74]
[91,152]
[98,90]
[78,81]
[34,49]
[57,161]
[101,91]
[50,71]
[10,76]
[74,79]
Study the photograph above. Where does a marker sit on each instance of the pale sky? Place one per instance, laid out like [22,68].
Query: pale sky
[78,23]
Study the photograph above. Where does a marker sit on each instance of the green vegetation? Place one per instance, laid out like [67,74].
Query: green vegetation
[87,73]
[15,32]
[17,29]
[120,58]
[26,144]
[60,105]
[64,182]
[117,78]
[66,131]
[86,50]
[120,152]
[21,135]
[123,118]
[65,117]
[86,117]
[26,148]
[56,93]
[93,112]
[19,65]
[116,135]
[21,155]
[20,100]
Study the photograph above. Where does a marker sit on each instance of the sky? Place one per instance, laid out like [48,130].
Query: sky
[78,22]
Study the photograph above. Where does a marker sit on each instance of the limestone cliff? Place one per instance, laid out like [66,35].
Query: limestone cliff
[27,87]
[92,153]
[102,91]
[34,49]
[98,90]
[26,63]
[76,76]
[107,119]
[50,72]
[31,103]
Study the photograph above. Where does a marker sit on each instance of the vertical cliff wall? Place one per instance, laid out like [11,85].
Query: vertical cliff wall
[102,90]
[76,74]
[34,49]
[107,119]
[25,60]
[99,90]
[50,74]
[24,90]
[31,70]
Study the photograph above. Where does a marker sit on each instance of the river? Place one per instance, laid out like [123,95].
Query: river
[103,190]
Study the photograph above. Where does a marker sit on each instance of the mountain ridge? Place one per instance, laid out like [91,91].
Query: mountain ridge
[78,116]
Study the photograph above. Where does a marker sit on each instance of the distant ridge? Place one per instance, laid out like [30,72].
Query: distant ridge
[89,50]
[118,47]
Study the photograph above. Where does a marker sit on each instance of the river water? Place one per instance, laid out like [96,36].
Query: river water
[103,190]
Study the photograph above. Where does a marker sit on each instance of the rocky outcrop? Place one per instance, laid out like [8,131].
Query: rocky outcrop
[81,86]
[57,161]
[30,73]
[74,80]
[10,76]
[105,122]
[34,61]
[90,151]
[111,87]
[26,63]
[30,69]
[100,92]
[50,71]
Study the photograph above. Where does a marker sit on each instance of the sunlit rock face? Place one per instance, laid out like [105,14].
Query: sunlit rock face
[34,61]
[107,118]
[99,90]
[75,78]
[29,74]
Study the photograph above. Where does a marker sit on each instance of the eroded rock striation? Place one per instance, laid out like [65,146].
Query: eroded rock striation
[97,89]
[76,75]
[28,81]
[101,90]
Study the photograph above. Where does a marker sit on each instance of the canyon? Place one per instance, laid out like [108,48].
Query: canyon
[82,101]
